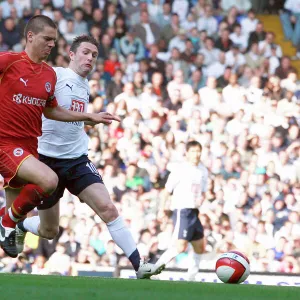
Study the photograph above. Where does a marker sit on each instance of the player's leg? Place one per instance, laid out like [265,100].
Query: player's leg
[10,196]
[46,224]
[179,247]
[180,238]
[42,182]
[198,243]
[97,197]
[198,247]
[88,185]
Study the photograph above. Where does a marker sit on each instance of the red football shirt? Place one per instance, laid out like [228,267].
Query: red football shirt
[26,88]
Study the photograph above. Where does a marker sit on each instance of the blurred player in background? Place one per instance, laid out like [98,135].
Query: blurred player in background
[27,91]
[64,148]
[187,184]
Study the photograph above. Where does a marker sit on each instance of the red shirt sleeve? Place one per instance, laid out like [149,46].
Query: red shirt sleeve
[5,59]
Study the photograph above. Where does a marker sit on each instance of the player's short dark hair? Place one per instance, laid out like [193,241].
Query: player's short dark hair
[83,39]
[37,24]
[192,144]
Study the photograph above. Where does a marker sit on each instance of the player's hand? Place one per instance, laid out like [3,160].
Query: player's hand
[104,117]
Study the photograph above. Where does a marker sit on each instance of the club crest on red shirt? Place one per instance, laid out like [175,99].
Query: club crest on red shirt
[48,86]
[18,152]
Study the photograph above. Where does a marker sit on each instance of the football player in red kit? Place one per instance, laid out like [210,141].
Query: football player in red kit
[27,86]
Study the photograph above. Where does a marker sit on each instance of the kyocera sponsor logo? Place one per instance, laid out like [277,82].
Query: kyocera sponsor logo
[22,99]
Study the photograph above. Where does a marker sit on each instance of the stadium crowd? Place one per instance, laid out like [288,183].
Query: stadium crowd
[174,71]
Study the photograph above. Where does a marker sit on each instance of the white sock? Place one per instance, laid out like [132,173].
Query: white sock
[32,224]
[193,266]
[12,217]
[122,236]
[167,256]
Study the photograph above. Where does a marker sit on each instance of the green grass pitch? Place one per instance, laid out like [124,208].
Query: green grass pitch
[34,287]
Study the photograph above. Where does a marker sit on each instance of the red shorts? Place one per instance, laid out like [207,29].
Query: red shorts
[12,156]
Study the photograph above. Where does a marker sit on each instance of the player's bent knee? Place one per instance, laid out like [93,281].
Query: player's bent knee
[49,233]
[49,183]
[110,213]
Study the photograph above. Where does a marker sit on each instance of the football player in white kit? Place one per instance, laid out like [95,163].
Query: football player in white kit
[187,184]
[64,148]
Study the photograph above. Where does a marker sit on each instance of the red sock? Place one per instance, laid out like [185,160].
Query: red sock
[30,197]
[2,211]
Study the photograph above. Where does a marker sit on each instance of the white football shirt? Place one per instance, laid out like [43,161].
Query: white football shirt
[66,139]
[187,183]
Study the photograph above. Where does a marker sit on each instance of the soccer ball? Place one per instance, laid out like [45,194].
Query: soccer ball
[233,267]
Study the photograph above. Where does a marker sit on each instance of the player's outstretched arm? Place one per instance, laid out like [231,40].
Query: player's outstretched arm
[61,114]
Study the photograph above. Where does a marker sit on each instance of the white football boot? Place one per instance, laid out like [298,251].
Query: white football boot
[146,270]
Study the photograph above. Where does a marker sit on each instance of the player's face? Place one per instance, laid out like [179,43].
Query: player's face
[43,42]
[85,58]
[194,155]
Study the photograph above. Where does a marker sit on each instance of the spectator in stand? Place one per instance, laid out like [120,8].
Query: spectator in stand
[111,14]
[178,83]
[232,18]
[209,51]
[155,64]
[98,20]
[10,33]
[224,42]
[169,30]
[290,21]
[257,35]
[60,21]
[80,26]
[6,7]
[130,43]
[67,9]
[285,68]
[217,69]
[178,41]
[105,46]
[208,22]
[70,34]
[253,58]
[265,46]
[249,23]
[242,6]
[234,58]
[209,95]
[163,17]
[178,63]
[224,79]
[147,31]
[115,86]
[239,38]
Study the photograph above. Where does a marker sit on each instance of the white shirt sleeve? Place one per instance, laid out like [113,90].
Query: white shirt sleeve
[172,181]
